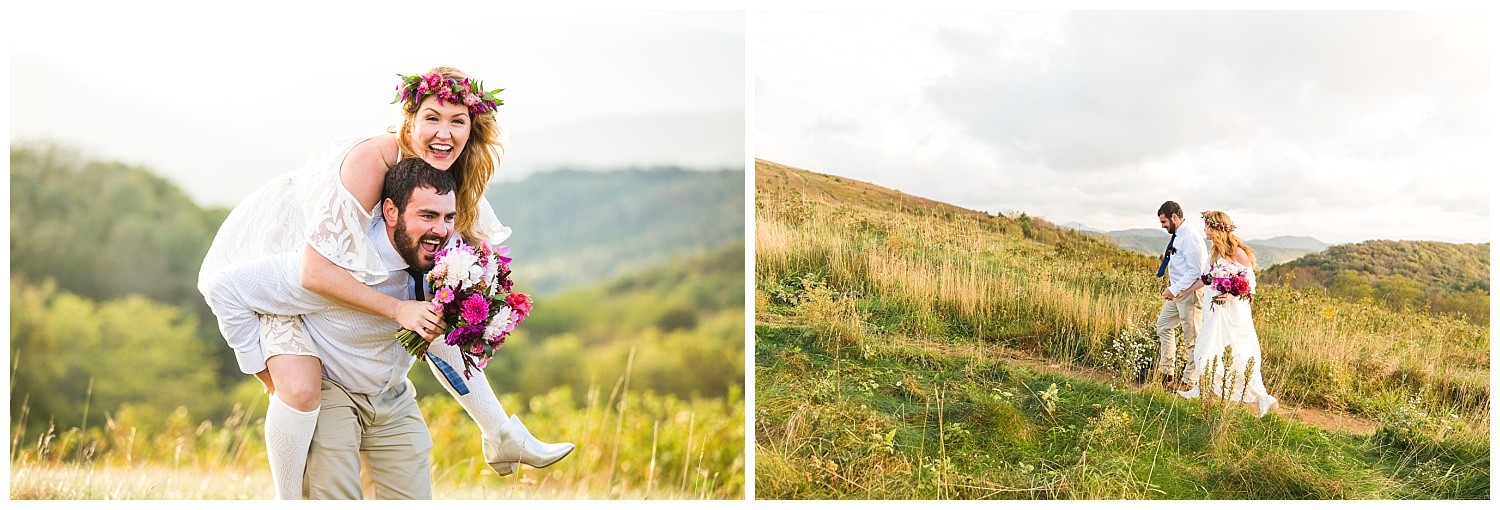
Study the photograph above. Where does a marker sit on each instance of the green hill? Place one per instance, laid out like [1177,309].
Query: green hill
[576,228]
[104,230]
[1441,277]
[909,349]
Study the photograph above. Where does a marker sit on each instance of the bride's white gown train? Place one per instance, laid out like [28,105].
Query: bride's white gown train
[1229,325]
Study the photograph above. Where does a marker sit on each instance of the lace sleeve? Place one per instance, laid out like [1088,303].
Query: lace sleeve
[336,226]
[489,225]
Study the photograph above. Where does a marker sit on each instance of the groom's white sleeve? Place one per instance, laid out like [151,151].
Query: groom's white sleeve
[268,285]
[1194,253]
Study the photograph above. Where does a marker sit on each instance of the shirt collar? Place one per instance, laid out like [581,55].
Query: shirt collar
[383,247]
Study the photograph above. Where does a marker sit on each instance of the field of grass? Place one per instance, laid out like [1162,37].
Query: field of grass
[630,445]
[885,331]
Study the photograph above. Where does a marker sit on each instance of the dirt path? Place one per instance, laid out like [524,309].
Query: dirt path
[1320,418]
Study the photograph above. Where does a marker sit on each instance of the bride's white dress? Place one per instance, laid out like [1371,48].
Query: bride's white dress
[1229,325]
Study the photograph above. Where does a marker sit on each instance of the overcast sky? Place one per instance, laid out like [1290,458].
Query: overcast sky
[1344,126]
[222,98]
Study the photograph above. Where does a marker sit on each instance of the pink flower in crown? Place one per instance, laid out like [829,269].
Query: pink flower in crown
[471,99]
[433,80]
[476,309]
[519,302]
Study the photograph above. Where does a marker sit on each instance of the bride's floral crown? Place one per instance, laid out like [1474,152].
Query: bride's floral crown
[1215,224]
[457,91]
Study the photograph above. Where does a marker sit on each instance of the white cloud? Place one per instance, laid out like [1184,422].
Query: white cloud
[1340,125]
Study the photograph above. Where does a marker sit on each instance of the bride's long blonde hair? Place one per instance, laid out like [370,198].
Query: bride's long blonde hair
[1220,232]
[474,166]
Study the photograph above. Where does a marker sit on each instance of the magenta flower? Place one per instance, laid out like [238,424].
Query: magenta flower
[476,309]
[464,335]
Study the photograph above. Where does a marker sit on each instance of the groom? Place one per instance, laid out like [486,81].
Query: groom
[367,411]
[1182,263]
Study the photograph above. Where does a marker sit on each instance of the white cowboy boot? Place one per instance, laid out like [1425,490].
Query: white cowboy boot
[516,444]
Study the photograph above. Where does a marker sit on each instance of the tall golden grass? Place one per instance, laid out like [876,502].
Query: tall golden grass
[631,445]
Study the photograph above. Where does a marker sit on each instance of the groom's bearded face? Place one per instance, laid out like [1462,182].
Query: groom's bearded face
[424,227]
[1170,223]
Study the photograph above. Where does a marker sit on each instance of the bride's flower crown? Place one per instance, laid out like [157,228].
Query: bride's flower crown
[1216,224]
[457,91]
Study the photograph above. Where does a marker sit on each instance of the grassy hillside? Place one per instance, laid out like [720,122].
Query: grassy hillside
[1441,277]
[911,349]
[581,228]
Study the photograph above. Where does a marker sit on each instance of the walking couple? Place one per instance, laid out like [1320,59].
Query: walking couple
[1206,261]
[312,275]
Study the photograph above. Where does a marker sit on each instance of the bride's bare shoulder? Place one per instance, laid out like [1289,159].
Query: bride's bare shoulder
[382,148]
[1242,257]
[364,168]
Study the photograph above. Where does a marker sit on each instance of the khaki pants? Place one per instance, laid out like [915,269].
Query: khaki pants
[1188,313]
[384,432]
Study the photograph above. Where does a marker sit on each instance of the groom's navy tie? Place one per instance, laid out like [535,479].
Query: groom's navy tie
[1166,255]
[419,282]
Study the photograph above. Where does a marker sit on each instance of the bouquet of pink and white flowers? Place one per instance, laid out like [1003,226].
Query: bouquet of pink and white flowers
[472,294]
[1229,278]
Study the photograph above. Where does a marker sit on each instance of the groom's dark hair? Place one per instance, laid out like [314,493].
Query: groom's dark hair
[410,174]
[1169,210]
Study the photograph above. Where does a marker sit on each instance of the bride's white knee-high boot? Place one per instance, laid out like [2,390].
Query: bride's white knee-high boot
[516,444]
[502,440]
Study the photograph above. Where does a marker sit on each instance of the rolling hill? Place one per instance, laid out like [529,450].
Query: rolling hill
[911,349]
[580,228]
[1441,277]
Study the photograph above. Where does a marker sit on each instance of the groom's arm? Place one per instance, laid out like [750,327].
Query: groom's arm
[267,285]
[1193,252]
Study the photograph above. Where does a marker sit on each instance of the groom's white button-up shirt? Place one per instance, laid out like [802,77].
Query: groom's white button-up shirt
[1188,264]
[359,351]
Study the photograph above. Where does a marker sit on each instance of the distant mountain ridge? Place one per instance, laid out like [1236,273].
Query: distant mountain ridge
[1268,252]
[575,227]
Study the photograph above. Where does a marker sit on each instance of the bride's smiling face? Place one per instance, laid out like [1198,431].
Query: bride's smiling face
[440,131]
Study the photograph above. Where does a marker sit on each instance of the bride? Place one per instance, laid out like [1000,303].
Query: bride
[1227,343]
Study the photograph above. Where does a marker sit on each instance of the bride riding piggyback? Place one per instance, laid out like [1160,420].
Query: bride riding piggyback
[324,213]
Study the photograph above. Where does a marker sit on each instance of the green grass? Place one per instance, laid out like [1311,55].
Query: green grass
[934,418]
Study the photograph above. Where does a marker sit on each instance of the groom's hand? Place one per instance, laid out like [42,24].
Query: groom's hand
[419,317]
[1167,295]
